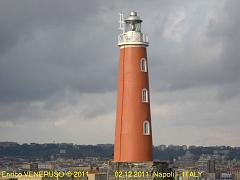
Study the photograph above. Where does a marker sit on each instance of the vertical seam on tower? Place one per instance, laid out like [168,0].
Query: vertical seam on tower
[122,103]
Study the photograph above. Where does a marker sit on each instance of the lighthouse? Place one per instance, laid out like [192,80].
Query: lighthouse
[133,131]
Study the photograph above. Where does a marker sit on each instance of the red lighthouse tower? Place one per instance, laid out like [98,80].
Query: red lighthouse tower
[133,132]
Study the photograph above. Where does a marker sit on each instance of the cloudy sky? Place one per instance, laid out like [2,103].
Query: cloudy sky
[59,60]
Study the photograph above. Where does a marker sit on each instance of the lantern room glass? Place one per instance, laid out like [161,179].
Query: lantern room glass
[133,26]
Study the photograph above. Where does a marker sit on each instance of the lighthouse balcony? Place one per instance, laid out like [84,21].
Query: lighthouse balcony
[132,38]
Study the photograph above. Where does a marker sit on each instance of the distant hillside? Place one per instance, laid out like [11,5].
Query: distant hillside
[105,151]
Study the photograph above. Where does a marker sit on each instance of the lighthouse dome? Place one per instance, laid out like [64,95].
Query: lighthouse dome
[133,17]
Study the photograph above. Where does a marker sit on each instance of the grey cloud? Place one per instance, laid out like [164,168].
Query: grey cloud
[58,66]
[57,46]
[207,56]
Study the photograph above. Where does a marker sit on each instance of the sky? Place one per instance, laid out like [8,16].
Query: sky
[59,67]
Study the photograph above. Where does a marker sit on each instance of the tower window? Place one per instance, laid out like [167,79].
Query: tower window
[146,128]
[145,98]
[143,65]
